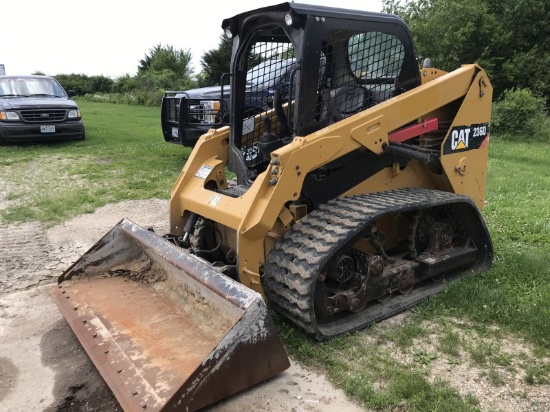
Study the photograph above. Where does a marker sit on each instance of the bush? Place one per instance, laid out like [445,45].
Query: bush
[519,112]
[151,98]
[83,84]
[541,124]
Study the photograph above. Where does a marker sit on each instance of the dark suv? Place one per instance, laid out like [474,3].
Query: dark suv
[36,108]
[186,115]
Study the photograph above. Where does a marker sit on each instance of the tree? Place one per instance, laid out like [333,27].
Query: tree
[216,62]
[526,56]
[167,64]
[100,84]
[451,33]
[83,84]
[510,39]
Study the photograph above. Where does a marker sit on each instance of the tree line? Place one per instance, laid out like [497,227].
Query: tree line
[510,39]
[162,68]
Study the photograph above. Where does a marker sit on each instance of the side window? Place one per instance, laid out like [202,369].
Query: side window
[268,66]
[375,56]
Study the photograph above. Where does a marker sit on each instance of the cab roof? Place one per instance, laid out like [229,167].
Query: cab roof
[317,11]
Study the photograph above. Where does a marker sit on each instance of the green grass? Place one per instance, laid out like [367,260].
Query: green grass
[515,293]
[124,157]
[367,371]
[472,322]
[511,301]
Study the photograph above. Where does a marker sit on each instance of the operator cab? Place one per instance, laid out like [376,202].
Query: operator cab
[362,59]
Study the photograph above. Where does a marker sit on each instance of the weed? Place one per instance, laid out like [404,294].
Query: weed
[452,362]
[481,351]
[494,377]
[450,342]
[405,335]
[538,374]
[423,357]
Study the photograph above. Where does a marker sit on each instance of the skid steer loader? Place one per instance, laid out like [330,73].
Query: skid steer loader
[358,194]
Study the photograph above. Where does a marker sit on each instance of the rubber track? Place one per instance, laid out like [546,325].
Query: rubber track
[297,258]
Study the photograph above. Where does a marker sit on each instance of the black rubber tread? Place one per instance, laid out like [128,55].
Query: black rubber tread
[294,264]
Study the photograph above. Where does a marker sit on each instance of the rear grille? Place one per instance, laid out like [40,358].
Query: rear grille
[44,115]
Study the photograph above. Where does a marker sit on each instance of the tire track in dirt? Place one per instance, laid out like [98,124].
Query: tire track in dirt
[24,257]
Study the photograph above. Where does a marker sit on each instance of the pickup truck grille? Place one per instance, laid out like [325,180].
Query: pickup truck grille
[197,112]
[44,115]
[172,108]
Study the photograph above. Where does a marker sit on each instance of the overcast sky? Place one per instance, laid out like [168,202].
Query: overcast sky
[109,37]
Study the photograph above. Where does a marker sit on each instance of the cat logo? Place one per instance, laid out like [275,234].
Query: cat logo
[459,139]
[467,137]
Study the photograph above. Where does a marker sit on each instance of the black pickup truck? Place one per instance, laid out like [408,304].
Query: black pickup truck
[186,115]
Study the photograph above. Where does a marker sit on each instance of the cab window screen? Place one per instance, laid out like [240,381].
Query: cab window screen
[375,55]
[269,66]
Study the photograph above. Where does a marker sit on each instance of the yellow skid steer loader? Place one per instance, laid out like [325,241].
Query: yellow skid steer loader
[359,183]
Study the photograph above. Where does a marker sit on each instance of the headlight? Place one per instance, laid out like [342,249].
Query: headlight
[74,114]
[9,116]
[211,109]
[288,19]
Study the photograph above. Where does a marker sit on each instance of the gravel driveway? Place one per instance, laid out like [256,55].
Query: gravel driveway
[42,365]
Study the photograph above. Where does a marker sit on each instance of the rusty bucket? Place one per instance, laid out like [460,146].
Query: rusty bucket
[164,328]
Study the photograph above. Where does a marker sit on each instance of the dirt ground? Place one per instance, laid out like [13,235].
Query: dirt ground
[42,365]
[44,368]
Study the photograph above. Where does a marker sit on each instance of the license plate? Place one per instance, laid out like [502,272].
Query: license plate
[47,129]
[175,132]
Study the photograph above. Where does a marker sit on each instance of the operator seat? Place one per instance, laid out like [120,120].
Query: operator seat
[343,102]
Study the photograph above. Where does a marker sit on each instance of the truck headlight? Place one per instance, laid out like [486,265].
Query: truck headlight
[74,114]
[210,110]
[9,116]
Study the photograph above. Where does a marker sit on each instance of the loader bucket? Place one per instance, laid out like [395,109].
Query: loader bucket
[163,327]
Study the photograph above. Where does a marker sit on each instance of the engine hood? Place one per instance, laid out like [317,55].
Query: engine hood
[14,103]
[212,92]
